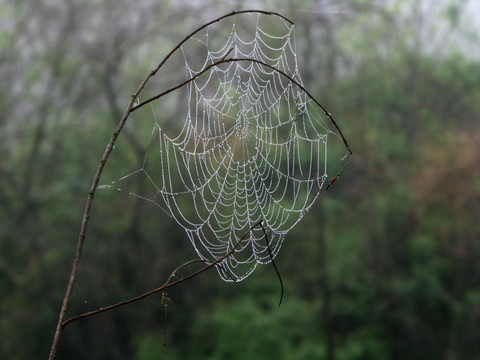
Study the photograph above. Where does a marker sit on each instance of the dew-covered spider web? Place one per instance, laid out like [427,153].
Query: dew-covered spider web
[244,143]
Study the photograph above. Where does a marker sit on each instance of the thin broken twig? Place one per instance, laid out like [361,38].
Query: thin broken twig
[164,286]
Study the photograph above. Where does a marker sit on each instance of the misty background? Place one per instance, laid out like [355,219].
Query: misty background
[385,265]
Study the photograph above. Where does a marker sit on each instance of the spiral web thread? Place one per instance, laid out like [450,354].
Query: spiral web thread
[252,146]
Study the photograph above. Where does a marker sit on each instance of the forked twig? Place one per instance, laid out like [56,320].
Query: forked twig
[167,284]
[166,301]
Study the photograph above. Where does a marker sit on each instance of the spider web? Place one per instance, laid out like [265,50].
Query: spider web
[250,144]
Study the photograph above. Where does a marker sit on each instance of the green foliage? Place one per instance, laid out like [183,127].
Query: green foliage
[254,329]
[384,267]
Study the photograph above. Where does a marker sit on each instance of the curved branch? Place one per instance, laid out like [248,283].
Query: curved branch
[179,45]
[330,117]
[223,61]
[233,13]
[167,284]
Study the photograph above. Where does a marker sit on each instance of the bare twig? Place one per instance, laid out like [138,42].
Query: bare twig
[202,261]
[274,265]
[167,284]
[335,178]
[223,61]
[166,301]
[327,114]
[179,45]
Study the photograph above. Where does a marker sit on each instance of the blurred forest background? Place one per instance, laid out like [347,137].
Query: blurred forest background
[385,266]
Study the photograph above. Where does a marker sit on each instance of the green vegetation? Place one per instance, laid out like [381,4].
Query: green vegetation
[385,266]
